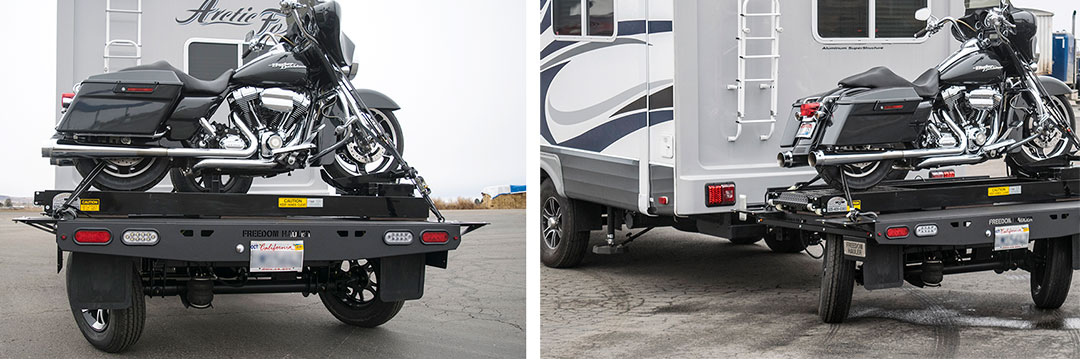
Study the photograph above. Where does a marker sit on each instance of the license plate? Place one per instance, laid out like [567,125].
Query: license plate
[806,129]
[277,256]
[1011,237]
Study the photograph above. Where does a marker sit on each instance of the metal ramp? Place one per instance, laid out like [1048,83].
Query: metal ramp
[110,42]
[769,83]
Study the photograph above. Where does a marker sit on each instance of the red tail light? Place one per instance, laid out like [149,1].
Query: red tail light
[435,237]
[66,99]
[719,194]
[96,236]
[943,174]
[809,109]
[897,232]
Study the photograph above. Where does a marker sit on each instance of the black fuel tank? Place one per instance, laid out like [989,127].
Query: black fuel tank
[280,69]
[975,68]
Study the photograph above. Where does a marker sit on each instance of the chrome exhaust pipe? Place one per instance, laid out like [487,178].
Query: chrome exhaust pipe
[948,161]
[785,159]
[235,164]
[820,158]
[52,149]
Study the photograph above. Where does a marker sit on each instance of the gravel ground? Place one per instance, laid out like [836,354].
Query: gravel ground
[474,309]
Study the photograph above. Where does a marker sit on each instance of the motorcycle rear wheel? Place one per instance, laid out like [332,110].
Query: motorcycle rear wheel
[860,176]
[123,174]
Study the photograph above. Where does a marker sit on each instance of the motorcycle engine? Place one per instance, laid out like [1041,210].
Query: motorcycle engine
[273,112]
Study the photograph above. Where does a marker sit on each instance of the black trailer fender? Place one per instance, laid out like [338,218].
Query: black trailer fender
[1054,86]
[376,99]
[98,281]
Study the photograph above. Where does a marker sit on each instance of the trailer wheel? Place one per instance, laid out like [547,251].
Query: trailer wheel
[113,330]
[837,282]
[357,301]
[1051,272]
[560,245]
[744,240]
[784,240]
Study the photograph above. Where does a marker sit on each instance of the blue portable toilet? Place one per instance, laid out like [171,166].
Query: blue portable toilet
[1064,57]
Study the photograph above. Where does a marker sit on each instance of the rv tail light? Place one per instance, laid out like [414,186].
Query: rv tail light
[94,236]
[663,200]
[896,232]
[140,238]
[435,237]
[943,174]
[809,109]
[66,99]
[719,194]
[398,238]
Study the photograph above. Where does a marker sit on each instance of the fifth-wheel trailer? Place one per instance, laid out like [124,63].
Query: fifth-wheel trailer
[663,112]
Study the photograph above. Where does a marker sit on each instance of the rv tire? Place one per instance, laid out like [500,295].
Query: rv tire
[562,245]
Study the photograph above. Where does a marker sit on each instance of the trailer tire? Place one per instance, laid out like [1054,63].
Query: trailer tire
[361,305]
[561,246]
[1051,274]
[113,330]
[837,282]
[375,314]
[784,240]
[744,240]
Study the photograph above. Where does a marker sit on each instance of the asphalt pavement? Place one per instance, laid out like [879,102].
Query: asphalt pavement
[474,309]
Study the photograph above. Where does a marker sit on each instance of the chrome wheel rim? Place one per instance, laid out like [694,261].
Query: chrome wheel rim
[349,157]
[97,320]
[551,222]
[128,167]
[861,169]
[1053,143]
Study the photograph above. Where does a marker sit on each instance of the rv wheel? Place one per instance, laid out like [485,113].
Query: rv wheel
[744,240]
[1051,272]
[783,240]
[560,245]
[113,330]
[837,282]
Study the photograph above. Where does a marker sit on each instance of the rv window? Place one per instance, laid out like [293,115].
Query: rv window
[208,60]
[566,15]
[601,17]
[896,18]
[843,18]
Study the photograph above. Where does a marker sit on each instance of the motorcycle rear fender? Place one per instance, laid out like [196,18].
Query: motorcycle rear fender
[1054,87]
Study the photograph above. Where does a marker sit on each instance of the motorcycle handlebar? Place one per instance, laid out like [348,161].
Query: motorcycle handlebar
[921,33]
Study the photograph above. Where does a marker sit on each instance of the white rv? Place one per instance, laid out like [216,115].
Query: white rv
[202,37]
[671,111]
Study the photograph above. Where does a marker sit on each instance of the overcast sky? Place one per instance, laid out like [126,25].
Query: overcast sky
[456,68]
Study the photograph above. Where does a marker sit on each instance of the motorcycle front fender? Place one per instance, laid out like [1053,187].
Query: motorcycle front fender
[1054,87]
[376,99]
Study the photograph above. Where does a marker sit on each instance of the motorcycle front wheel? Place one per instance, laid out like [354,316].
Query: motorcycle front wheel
[349,161]
[1051,144]
[126,174]
[859,176]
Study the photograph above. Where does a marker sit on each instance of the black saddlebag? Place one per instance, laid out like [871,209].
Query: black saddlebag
[878,116]
[126,103]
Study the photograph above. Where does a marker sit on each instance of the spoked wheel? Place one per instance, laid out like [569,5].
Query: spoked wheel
[1051,272]
[113,330]
[560,246]
[126,174]
[185,180]
[1051,143]
[355,301]
[860,176]
[356,159]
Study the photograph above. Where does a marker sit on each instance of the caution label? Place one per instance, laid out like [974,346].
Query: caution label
[857,204]
[1003,191]
[89,205]
[284,202]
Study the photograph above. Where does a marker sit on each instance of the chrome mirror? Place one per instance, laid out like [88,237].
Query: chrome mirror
[922,14]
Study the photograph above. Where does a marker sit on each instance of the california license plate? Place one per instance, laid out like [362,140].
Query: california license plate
[277,256]
[806,129]
[1011,237]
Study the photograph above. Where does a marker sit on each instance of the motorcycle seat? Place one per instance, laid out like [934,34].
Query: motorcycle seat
[192,85]
[881,77]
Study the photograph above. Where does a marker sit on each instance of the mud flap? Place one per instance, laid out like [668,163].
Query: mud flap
[883,266]
[96,281]
[1076,251]
[401,277]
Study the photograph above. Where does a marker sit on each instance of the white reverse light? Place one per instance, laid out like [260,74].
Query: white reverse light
[140,238]
[398,238]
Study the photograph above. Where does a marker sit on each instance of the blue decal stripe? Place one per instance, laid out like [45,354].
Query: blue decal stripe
[555,46]
[659,26]
[546,22]
[627,28]
[658,117]
[600,137]
[545,83]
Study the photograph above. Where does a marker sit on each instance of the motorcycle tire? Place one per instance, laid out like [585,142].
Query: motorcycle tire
[191,183]
[1020,162]
[341,169]
[124,175]
[856,181]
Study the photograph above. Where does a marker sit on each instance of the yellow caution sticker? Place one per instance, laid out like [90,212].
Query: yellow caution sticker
[856,203]
[284,202]
[89,205]
[1003,191]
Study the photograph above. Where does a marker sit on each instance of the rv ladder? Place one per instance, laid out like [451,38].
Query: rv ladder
[774,61]
[110,42]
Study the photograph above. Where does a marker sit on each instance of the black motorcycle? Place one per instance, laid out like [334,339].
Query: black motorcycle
[291,106]
[983,102]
